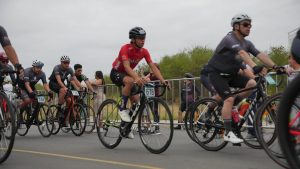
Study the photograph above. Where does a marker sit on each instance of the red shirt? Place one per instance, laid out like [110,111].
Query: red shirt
[133,55]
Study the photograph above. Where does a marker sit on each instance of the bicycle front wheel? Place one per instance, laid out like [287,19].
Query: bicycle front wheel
[7,127]
[90,125]
[107,123]
[44,125]
[155,125]
[53,121]
[266,129]
[78,119]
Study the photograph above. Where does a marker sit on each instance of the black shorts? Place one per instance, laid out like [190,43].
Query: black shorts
[54,87]
[206,83]
[117,77]
[222,83]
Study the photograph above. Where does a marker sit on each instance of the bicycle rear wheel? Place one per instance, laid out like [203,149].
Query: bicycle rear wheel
[107,123]
[288,122]
[155,125]
[208,128]
[78,119]
[44,125]
[7,127]
[266,130]
[90,125]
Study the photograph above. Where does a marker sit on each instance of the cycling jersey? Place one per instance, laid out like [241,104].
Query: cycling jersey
[226,58]
[31,77]
[58,70]
[4,40]
[81,78]
[129,53]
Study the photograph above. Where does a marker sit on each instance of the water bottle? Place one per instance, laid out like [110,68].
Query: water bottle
[243,107]
[235,114]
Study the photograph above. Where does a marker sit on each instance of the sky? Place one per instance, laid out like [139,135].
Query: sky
[91,32]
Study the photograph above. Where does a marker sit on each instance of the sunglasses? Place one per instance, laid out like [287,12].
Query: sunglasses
[66,63]
[246,24]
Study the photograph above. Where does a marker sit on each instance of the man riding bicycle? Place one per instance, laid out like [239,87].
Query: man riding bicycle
[81,77]
[122,73]
[28,81]
[59,74]
[225,64]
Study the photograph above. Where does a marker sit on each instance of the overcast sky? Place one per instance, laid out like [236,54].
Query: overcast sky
[91,32]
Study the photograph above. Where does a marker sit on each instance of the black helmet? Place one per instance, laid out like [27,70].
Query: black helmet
[137,32]
[188,75]
[295,49]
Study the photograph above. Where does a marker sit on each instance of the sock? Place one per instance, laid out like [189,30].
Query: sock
[227,125]
[124,102]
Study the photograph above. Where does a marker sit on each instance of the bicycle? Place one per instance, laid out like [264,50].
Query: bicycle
[155,121]
[7,123]
[74,114]
[209,126]
[91,115]
[288,121]
[35,113]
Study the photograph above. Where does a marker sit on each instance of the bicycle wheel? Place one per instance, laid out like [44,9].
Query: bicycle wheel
[44,125]
[78,119]
[107,123]
[155,125]
[208,128]
[53,119]
[266,129]
[187,117]
[23,120]
[90,125]
[288,121]
[7,127]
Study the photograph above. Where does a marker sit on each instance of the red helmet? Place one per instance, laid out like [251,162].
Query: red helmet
[3,57]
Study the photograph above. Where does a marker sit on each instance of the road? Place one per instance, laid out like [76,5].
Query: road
[66,151]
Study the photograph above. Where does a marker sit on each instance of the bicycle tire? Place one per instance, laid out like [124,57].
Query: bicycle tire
[53,119]
[6,136]
[205,123]
[45,128]
[78,122]
[187,117]
[157,124]
[107,123]
[91,124]
[266,122]
[23,119]
[286,142]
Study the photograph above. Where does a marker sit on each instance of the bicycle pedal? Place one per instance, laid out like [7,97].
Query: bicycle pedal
[237,144]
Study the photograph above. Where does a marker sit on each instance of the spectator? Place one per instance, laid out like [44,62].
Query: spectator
[99,89]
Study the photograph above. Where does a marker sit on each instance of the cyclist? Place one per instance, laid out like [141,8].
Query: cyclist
[81,77]
[27,83]
[122,73]
[294,57]
[8,48]
[225,64]
[5,66]
[59,74]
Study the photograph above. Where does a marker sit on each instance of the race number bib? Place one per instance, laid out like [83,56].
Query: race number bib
[75,93]
[149,91]
[41,99]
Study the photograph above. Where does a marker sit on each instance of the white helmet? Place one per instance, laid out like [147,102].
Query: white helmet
[239,18]
[65,59]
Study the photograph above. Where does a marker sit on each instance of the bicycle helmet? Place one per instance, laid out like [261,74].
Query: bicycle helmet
[295,48]
[188,75]
[65,59]
[3,57]
[239,18]
[137,32]
[37,63]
